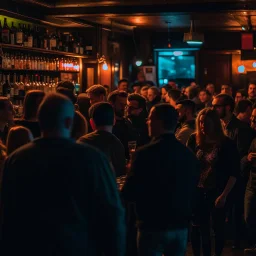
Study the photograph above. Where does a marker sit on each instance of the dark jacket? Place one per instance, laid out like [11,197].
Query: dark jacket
[162,182]
[60,198]
[241,133]
[227,163]
[111,146]
[139,125]
[124,131]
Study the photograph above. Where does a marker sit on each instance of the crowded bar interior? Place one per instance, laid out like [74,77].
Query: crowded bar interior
[127,128]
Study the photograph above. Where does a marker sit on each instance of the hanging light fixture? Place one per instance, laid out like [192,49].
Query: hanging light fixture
[169,45]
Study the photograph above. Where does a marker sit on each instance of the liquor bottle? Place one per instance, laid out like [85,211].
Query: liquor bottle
[21,62]
[47,65]
[1,84]
[1,31]
[81,49]
[36,38]
[12,87]
[15,85]
[6,87]
[57,65]
[12,62]
[53,42]
[46,40]
[5,33]
[30,37]
[61,66]
[9,63]
[59,42]
[21,87]
[20,36]
[16,62]
[66,45]
[25,35]
[13,34]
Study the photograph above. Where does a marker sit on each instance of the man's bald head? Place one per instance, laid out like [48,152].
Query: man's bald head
[56,114]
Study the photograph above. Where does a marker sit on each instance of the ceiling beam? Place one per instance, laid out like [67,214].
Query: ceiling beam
[151,9]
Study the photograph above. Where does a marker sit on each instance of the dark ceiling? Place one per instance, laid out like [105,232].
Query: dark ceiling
[227,15]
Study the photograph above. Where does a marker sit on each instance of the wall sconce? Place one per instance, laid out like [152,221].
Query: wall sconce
[102,60]
[241,69]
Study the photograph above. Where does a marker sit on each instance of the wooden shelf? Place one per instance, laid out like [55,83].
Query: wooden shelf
[33,70]
[39,50]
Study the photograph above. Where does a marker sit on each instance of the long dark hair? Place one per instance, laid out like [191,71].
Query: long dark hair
[31,104]
[218,135]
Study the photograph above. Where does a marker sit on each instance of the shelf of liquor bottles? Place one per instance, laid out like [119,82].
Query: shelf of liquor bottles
[35,71]
[13,61]
[41,50]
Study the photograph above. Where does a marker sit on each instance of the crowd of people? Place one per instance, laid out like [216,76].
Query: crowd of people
[186,158]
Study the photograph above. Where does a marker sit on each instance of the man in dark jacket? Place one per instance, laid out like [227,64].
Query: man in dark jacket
[60,198]
[162,182]
[243,135]
[136,112]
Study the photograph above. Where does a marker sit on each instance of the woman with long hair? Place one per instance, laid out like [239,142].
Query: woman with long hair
[31,104]
[219,168]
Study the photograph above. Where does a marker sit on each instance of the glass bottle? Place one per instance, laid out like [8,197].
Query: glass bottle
[25,35]
[16,62]
[12,62]
[12,87]
[30,37]
[57,64]
[46,40]
[15,85]
[53,42]
[20,36]
[5,33]
[36,38]
[13,34]
[1,28]
[9,62]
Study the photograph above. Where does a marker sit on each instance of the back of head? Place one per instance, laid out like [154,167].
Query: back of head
[113,96]
[167,115]
[242,106]
[80,126]
[67,85]
[188,104]
[97,90]
[227,100]
[193,91]
[17,137]
[54,113]
[140,99]
[67,92]
[102,114]
[174,94]
[32,102]
[83,103]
